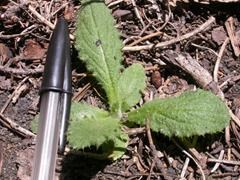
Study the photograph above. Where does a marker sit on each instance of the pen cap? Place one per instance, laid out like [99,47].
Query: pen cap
[67,83]
[66,98]
[53,78]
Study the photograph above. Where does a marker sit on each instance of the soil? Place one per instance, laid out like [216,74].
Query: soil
[23,43]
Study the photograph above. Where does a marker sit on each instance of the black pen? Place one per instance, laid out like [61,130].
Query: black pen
[55,104]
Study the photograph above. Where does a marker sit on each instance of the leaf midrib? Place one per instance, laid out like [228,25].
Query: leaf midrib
[102,52]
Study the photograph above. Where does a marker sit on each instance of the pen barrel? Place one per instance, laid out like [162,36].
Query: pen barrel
[65,103]
[47,137]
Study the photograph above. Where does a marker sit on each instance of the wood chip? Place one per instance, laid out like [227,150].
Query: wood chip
[33,50]
[5,53]
[219,35]
[232,35]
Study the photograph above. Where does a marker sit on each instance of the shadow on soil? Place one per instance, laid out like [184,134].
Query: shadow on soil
[77,167]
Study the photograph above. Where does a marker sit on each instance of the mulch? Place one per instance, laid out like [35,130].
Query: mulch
[155,34]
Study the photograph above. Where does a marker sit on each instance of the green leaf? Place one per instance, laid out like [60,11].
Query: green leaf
[192,113]
[34,124]
[131,83]
[99,46]
[116,149]
[91,126]
[82,110]
[120,146]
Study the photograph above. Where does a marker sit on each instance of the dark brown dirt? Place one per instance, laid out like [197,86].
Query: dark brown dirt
[28,52]
[10,141]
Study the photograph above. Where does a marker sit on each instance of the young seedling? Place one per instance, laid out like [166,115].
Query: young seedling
[99,46]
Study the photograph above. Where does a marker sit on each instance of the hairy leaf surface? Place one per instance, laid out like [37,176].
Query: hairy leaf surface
[99,46]
[115,150]
[192,113]
[131,83]
[91,126]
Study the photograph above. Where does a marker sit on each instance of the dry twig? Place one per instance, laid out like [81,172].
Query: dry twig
[167,19]
[134,131]
[233,79]
[114,3]
[7,122]
[191,157]
[137,13]
[9,70]
[40,17]
[174,2]
[44,20]
[218,164]
[234,117]
[226,175]
[139,163]
[59,9]
[220,54]
[204,47]
[201,75]
[228,136]
[145,38]
[13,94]
[158,163]
[191,66]
[172,41]
[184,169]
[231,33]
[82,91]
[26,31]
[224,161]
